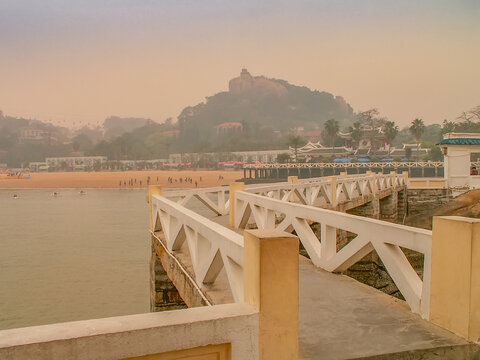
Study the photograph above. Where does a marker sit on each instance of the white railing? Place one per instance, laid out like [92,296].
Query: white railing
[329,190]
[213,198]
[367,165]
[211,246]
[386,238]
[314,191]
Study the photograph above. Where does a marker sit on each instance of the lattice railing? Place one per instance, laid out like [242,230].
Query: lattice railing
[329,190]
[215,199]
[354,165]
[386,238]
[212,247]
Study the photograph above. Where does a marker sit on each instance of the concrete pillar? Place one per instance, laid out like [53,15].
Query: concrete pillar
[333,181]
[389,207]
[455,279]
[271,286]
[153,190]
[234,187]
[293,179]
[393,174]
[374,183]
[405,174]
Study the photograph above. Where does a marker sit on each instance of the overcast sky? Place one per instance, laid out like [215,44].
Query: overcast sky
[80,61]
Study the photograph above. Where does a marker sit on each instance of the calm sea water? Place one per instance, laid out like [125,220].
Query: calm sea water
[72,257]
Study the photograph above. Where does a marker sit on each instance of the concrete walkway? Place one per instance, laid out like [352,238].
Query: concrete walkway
[341,318]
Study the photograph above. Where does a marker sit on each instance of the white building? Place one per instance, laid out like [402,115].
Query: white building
[75,162]
[461,152]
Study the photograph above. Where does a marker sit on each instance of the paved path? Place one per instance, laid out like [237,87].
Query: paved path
[341,318]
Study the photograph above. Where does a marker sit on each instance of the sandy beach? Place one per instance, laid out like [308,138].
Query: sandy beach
[108,180]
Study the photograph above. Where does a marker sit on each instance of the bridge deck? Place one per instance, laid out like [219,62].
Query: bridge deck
[341,318]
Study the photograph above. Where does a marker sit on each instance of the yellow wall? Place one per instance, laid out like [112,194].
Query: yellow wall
[210,352]
[455,279]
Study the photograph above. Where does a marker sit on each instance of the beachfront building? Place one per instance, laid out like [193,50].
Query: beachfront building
[411,150]
[317,152]
[76,163]
[37,166]
[461,154]
[371,138]
[265,156]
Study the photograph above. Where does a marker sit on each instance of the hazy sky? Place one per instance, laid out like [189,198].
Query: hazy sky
[72,61]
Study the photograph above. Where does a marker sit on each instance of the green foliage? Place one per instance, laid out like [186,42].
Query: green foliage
[435,154]
[417,128]
[296,141]
[331,128]
[283,158]
[390,130]
[263,117]
[408,153]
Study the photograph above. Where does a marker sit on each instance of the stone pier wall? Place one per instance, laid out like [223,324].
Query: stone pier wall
[389,208]
[371,209]
[163,294]
[426,200]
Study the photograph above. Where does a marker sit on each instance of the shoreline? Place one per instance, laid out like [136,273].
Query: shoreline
[121,179]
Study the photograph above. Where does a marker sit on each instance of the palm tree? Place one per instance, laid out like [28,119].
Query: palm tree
[416,129]
[331,129]
[295,141]
[390,130]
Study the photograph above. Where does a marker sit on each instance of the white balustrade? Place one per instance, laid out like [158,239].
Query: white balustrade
[351,165]
[386,238]
[213,198]
[319,191]
[211,246]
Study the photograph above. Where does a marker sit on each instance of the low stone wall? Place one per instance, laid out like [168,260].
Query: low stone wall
[425,200]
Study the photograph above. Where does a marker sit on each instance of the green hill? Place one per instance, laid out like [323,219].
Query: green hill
[266,108]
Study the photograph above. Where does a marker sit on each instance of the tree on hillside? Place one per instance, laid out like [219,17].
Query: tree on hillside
[447,127]
[331,128]
[390,131]
[356,132]
[416,129]
[295,141]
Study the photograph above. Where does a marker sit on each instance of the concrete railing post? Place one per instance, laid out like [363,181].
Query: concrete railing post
[153,190]
[405,174]
[234,187]
[455,275]
[271,286]
[393,174]
[374,183]
[333,182]
[293,179]
[344,174]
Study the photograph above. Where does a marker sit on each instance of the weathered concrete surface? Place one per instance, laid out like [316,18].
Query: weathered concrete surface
[341,318]
[137,335]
